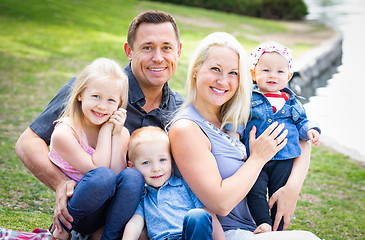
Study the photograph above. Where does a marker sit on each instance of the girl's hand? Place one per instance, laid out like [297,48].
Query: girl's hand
[117,119]
[269,142]
[107,127]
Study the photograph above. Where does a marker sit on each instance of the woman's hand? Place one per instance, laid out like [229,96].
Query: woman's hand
[286,201]
[271,141]
[286,197]
[63,192]
[118,118]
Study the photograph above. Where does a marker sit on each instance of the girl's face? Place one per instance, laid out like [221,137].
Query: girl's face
[217,78]
[271,73]
[153,160]
[100,100]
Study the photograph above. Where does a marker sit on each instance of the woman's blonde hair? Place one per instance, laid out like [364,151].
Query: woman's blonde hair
[100,68]
[236,111]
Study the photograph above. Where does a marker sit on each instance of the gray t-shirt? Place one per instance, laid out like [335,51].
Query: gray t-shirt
[230,157]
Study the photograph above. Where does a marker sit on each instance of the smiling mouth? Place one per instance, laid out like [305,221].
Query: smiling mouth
[218,91]
[157,69]
[271,82]
[157,177]
[98,114]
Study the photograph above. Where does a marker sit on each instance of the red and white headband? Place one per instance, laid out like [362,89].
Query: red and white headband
[271,47]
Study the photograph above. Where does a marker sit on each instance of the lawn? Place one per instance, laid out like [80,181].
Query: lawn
[45,43]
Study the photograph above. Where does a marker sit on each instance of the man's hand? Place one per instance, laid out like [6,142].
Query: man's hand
[286,201]
[63,192]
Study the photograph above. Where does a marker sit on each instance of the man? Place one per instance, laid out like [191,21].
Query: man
[153,48]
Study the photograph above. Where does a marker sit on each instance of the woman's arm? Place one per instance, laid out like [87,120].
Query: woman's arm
[217,233]
[191,150]
[33,152]
[286,197]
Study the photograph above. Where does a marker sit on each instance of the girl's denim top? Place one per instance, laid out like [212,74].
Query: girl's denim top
[230,157]
[292,114]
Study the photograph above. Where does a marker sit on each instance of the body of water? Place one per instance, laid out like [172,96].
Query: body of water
[338,106]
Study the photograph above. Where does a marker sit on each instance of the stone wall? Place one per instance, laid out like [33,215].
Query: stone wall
[319,63]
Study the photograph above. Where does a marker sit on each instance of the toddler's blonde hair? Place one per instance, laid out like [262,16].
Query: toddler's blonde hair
[148,134]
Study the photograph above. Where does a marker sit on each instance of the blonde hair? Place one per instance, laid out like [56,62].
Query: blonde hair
[145,135]
[236,111]
[100,68]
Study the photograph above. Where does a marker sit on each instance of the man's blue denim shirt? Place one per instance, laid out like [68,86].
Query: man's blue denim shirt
[44,124]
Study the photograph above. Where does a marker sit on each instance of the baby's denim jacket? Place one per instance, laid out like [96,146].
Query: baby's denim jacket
[292,114]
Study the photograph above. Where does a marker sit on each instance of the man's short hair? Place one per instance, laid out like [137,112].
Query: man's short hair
[151,16]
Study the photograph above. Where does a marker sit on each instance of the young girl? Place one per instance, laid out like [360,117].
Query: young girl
[271,69]
[89,145]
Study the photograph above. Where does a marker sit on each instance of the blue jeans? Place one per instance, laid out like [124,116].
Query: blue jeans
[103,199]
[197,226]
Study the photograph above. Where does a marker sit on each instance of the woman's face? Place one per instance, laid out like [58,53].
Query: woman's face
[218,77]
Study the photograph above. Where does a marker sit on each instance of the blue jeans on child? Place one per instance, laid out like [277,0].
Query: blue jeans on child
[197,226]
[103,199]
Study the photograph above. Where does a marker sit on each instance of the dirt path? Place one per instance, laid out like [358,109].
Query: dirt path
[309,33]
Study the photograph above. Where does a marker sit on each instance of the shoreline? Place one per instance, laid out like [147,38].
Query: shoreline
[315,68]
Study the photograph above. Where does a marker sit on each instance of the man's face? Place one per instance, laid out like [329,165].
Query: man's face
[155,54]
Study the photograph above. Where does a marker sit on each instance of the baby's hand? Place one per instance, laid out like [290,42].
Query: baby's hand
[313,135]
[264,227]
[118,119]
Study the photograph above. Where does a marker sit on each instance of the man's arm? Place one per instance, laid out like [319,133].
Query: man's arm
[33,152]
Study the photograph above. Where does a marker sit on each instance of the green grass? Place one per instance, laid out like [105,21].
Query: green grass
[45,43]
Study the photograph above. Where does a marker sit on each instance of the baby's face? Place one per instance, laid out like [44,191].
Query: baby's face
[153,160]
[271,73]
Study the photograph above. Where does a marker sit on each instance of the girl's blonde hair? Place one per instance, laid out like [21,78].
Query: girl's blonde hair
[100,68]
[237,110]
[147,134]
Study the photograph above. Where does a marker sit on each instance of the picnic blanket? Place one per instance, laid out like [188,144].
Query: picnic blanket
[36,234]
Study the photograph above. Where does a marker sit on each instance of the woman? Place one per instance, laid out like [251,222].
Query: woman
[213,164]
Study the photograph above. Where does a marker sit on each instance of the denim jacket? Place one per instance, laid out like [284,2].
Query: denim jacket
[292,114]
